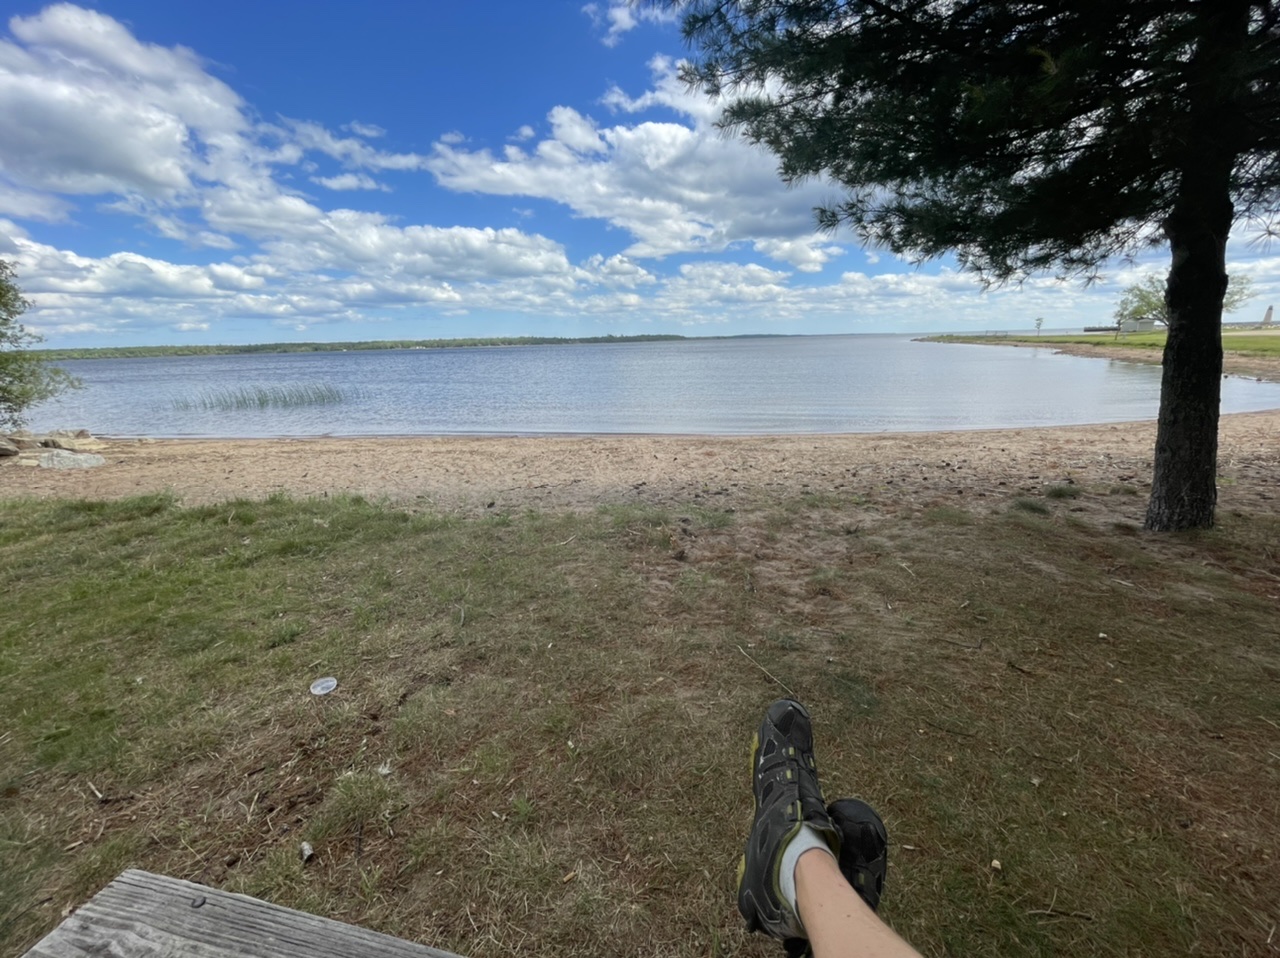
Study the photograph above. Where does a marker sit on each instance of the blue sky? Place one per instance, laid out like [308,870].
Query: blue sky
[232,172]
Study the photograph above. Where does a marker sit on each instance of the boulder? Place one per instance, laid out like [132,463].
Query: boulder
[72,443]
[8,448]
[66,459]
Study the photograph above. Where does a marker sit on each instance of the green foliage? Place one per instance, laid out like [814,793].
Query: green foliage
[25,379]
[1145,299]
[1019,135]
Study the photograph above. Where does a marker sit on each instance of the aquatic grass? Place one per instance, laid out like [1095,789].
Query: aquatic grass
[284,396]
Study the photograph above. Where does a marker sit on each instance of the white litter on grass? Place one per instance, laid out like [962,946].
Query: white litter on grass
[324,686]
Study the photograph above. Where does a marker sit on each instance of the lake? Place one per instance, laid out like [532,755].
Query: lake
[793,384]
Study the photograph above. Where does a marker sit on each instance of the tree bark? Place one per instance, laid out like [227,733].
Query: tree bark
[1184,484]
[1184,488]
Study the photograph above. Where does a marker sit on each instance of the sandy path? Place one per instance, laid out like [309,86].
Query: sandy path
[470,474]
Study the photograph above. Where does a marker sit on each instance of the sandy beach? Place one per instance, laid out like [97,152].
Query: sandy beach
[473,474]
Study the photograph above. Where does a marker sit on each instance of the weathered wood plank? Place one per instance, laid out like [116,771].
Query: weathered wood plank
[141,915]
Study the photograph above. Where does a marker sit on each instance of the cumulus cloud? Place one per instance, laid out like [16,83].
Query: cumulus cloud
[675,187]
[30,205]
[668,92]
[351,151]
[807,254]
[369,131]
[350,181]
[91,114]
[85,108]
[617,18]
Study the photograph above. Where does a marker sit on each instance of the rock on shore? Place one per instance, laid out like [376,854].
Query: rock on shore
[60,449]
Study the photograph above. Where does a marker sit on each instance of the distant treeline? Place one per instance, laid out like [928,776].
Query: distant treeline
[133,352]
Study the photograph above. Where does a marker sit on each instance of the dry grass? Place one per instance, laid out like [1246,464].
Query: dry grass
[538,742]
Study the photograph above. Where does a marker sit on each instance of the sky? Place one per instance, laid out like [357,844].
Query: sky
[232,172]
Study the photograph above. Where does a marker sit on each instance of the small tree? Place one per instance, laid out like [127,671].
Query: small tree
[1039,323]
[1145,300]
[25,379]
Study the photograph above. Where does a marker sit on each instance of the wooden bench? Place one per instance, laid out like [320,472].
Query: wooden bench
[141,914]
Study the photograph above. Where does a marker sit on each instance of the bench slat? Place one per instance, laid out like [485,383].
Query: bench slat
[141,915]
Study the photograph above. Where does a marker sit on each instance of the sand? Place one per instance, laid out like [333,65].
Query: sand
[470,475]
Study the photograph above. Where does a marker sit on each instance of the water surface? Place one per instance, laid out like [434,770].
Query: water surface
[801,384]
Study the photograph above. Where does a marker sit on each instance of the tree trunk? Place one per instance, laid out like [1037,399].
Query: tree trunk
[1184,484]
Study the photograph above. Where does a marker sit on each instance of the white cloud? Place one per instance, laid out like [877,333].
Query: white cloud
[807,254]
[369,131]
[618,271]
[352,152]
[674,187]
[669,92]
[621,17]
[350,181]
[31,205]
[89,111]
[85,108]
[575,131]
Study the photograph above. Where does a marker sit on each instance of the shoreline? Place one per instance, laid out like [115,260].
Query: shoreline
[1243,365]
[475,474]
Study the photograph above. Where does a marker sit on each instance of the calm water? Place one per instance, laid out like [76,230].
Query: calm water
[734,386]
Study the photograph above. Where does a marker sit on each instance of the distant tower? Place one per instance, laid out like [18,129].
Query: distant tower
[1266,320]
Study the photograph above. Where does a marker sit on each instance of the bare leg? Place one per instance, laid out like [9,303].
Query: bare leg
[839,923]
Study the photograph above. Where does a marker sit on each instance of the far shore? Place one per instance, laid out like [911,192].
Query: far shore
[1266,368]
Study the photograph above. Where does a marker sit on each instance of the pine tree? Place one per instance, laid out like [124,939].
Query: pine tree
[1025,136]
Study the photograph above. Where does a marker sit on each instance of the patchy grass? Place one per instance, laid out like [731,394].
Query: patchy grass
[1063,492]
[539,734]
[1245,342]
[1034,506]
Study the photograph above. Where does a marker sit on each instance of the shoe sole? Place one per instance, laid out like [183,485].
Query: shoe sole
[753,756]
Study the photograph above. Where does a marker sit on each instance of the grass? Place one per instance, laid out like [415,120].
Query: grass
[1245,343]
[539,734]
[286,396]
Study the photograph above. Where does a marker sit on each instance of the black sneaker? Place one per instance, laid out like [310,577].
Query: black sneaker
[784,781]
[864,848]
[864,857]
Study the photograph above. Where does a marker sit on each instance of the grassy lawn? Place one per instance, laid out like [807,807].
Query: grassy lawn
[1246,343]
[538,740]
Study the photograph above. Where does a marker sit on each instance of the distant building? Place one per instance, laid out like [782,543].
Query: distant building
[1266,320]
[1137,326]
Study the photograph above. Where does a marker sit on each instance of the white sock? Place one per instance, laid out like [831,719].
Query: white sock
[806,840]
